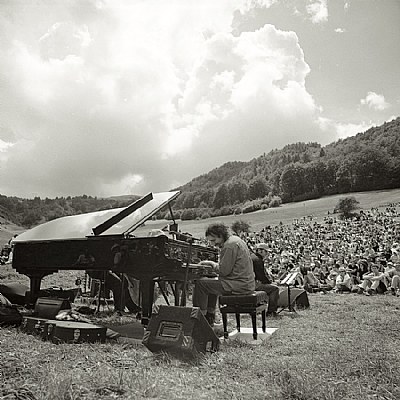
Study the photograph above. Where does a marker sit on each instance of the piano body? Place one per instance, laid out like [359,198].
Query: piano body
[85,242]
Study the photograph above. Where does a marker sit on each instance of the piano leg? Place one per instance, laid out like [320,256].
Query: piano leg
[35,282]
[146,299]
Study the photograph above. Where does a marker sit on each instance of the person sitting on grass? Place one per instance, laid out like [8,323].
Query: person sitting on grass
[343,281]
[393,275]
[311,283]
[333,273]
[352,270]
[372,282]
[362,269]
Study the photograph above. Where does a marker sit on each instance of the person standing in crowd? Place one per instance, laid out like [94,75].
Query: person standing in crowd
[264,281]
[235,267]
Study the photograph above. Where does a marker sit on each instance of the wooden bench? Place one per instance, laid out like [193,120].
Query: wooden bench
[252,304]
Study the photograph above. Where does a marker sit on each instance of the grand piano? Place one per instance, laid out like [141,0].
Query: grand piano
[85,242]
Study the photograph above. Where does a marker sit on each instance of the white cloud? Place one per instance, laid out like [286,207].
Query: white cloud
[4,145]
[318,11]
[117,97]
[340,30]
[340,130]
[244,86]
[375,101]
[63,39]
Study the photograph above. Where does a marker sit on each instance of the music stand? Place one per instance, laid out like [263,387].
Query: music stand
[288,281]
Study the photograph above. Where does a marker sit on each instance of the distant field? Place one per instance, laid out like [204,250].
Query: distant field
[259,219]
[287,212]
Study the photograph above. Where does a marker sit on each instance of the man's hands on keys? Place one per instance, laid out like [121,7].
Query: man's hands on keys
[208,263]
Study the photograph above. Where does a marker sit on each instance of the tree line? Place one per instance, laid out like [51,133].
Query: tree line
[297,172]
[31,212]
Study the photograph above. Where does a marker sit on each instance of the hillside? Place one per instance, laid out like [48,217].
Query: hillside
[301,171]
[286,213]
[298,172]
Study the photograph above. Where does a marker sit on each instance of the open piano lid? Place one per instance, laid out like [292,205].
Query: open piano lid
[120,221]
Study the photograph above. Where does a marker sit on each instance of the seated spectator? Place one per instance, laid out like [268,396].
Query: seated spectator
[372,282]
[352,270]
[393,275]
[310,282]
[331,278]
[362,269]
[388,271]
[343,281]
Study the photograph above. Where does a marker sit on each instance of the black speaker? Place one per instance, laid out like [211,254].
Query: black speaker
[298,298]
[48,307]
[181,331]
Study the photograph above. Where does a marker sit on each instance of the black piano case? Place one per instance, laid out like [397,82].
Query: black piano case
[36,326]
[49,307]
[76,332]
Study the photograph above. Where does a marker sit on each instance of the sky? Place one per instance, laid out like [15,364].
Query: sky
[111,97]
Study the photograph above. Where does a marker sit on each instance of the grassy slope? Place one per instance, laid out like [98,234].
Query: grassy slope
[259,219]
[344,347]
[287,212]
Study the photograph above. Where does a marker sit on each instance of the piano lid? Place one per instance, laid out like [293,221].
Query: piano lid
[82,225]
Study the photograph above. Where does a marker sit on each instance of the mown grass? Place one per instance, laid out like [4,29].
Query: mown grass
[318,208]
[343,347]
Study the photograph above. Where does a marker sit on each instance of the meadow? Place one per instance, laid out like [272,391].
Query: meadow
[345,346]
[286,213]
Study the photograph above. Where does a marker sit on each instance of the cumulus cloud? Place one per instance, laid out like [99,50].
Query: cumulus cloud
[341,130]
[113,97]
[340,30]
[318,11]
[375,101]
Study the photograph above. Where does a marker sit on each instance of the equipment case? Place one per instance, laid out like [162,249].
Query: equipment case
[76,332]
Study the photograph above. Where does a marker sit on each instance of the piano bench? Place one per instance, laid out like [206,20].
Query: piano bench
[252,304]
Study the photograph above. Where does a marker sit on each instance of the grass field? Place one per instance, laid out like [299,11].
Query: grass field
[287,212]
[343,347]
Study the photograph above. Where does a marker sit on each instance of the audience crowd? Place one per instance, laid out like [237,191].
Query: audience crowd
[361,255]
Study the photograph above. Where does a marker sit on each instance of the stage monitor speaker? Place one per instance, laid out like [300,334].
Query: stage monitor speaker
[181,331]
[298,298]
[48,307]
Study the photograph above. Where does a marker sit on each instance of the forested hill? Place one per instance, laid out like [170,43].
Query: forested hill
[30,212]
[299,171]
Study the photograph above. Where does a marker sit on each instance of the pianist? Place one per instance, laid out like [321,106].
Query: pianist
[235,268]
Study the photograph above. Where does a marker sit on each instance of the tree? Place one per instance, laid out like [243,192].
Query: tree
[221,197]
[237,192]
[292,181]
[346,207]
[257,188]
[240,226]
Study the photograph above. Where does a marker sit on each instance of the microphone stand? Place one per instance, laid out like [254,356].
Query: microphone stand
[189,257]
